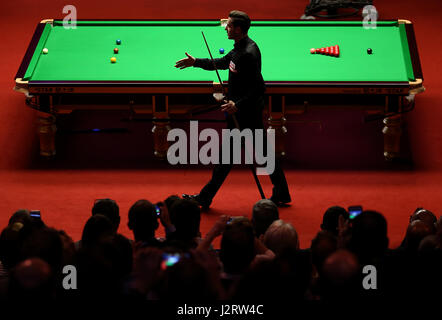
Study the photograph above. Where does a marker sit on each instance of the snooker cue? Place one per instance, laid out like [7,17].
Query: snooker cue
[251,166]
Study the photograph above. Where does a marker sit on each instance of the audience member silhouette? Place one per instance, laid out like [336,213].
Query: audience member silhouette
[340,278]
[109,208]
[331,217]
[258,260]
[264,213]
[185,216]
[237,251]
[32,281]
[46,244]
[98,226]
[417,230]
[143,222]
[369,240]
[281,237]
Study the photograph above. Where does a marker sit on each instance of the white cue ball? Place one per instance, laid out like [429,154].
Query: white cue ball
[45,50]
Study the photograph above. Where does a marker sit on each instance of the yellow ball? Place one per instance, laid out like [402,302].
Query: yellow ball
[113,59]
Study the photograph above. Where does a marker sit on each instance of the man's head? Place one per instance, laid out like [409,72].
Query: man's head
[339,276]
[237,246]
[143,220]
[331,218]
[108,208]
[323,245]
[369,235]
[238,25]
[186,217]
[429,244]
[424,215]
[97,227]
[22,216]
[46,244]
[281,237]
[103,265]
[264,213]
[170,200]
[32,280]
[417,230]
[187,280]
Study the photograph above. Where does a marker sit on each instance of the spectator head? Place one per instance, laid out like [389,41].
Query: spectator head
[264,213]
[369,236]
[32,280]
[417,230]
[108,208]
[429,243]
[187,280]
[146,269]
[170,201]
[185,215]
[331,218]
[262,282]
[46,244]
[143,220]
[439,227]
[424,215]
[281,237]
[340,276]
[103,267]
[22,216]
[237,246]
[323,245]
[98,226]
[11,240]
[240,19]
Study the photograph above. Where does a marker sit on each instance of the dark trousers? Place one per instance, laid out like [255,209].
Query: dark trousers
[220,172]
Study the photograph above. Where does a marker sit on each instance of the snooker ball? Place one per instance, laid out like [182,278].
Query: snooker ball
[312,50]
[113,59]
[118,41]
[221,50]
[369,51]
[45,50]
[116,50]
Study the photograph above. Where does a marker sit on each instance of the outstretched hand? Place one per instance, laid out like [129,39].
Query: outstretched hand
[219,226]
[216,230]
[164,215]
[229,107]
[186,62]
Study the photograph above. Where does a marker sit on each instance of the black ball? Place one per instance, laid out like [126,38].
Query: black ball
[369,51]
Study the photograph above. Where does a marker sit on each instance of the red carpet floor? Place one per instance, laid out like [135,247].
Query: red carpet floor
[121,166]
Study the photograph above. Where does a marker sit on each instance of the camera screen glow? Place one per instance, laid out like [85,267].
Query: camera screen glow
[169,260]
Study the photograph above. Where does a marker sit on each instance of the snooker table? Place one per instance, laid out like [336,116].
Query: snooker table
[76,73]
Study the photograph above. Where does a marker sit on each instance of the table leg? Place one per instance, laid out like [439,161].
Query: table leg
[161,145]
[393,127]
[161,126]
[276,121]
[392,136]
[46,133]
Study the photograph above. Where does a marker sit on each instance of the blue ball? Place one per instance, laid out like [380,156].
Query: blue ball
[221,50]
[118,41]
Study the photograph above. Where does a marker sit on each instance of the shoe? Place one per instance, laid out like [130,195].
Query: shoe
[203,203]
[282,203]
